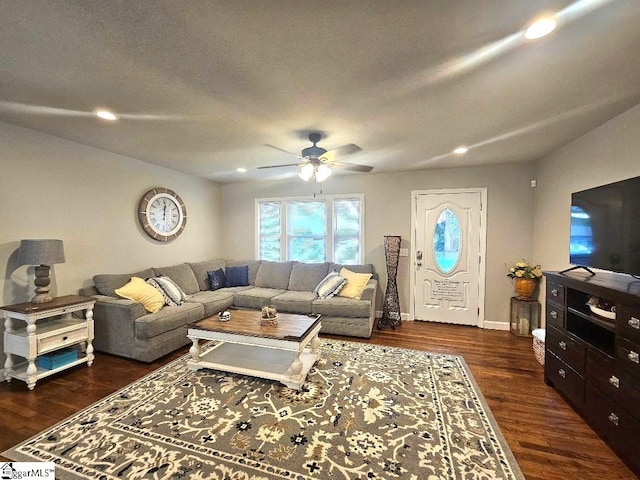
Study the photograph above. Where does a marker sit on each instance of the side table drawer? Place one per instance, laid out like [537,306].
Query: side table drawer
[58,339]
[566,349]
[565,379]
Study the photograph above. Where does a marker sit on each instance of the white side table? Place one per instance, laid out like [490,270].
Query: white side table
[49,327]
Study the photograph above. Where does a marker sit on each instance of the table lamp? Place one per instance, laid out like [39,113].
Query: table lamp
[42,254]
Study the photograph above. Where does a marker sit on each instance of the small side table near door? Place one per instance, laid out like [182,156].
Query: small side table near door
[49,327]
[525,316]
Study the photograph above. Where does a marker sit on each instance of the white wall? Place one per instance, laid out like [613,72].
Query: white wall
[53,188]
[388,212]
[607,154]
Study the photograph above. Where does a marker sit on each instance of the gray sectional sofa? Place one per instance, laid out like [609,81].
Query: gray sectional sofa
[123,327]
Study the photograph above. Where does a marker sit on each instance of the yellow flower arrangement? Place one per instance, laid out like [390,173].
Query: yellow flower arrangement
[524,269]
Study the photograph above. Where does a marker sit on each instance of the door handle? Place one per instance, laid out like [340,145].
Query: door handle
[419,255]
[418,264]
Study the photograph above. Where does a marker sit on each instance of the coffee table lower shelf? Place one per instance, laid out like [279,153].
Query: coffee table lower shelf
[267,363]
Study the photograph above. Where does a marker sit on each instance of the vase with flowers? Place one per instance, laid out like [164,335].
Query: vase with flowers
[525,276]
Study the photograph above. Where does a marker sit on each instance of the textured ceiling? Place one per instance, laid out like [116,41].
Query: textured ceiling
[202,86]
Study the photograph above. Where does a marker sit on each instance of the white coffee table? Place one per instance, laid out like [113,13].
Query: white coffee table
[284,352]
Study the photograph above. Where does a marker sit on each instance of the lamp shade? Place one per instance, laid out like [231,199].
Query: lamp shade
[41,252]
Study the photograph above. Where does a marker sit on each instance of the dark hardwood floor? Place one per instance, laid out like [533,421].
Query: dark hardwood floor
[548,439]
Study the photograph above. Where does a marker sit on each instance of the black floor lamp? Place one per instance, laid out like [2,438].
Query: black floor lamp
[391,306]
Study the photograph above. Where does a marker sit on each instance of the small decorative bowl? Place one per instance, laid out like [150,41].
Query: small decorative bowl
[603,313]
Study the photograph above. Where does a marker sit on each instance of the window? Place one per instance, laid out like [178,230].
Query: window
[310,229]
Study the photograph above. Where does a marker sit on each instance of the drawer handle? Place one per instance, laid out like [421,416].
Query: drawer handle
[562,345]
[634,357]
[613,418]
[64,339]
[634,323]
[554,292]
[615,381]
[554,314]
[562,373]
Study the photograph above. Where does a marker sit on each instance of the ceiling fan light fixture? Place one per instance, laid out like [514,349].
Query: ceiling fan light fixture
[322,172]
[306,172]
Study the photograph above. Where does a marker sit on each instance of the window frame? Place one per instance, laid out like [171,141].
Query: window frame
[330,223]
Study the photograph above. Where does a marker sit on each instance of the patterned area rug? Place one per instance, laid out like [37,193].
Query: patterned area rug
[366,412]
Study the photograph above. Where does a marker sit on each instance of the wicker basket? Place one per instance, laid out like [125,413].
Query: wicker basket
[538,344]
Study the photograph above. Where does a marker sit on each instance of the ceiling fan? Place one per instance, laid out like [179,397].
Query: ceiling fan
[317,162]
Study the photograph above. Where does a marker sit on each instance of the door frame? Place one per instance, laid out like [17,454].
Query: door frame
[482,248]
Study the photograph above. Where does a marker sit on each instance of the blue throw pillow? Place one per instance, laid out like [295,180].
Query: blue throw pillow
[237,276]
[217,279]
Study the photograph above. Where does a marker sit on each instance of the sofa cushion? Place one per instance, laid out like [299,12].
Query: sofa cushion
[167,299]
[253,265]
[355,283]
[306,276]
[341,307]
[107,283]
[167,319]
[237,276]
[182,275]
[217,279]
[294,302]
[274,275]
[200,270]
[140,291]
[256,297]
[213,302]
[330,285]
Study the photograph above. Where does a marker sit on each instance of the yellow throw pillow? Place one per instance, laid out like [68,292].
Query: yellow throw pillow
[140,291]
[355,283]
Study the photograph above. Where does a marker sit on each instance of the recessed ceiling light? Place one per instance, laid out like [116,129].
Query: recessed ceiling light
[241,170]
[461,150]
[541,27]
[106,115]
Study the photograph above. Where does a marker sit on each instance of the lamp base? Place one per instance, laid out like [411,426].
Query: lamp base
[41,282]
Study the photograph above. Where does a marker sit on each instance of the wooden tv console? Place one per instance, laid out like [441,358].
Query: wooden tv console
[594,361]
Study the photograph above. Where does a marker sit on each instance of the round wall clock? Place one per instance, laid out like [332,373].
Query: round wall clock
[162,214]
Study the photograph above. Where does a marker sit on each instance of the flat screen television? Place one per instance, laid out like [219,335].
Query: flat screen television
[605,227]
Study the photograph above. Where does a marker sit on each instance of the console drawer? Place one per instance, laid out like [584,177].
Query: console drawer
[614,424]
[628,322]
[565,379]
[555,315]
[55,340]
[613,382]
[566,348]
[555,293]
[628,355]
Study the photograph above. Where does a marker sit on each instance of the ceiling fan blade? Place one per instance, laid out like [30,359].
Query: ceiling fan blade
[342,151]
[282,150]
[278,166]
[353,167]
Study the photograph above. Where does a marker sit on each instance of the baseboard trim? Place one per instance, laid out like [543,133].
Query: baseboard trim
[405,317]
[496,326]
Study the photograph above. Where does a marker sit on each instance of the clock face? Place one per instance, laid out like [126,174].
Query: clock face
[162,214]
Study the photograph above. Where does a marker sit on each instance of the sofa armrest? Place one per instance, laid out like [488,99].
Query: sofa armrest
[114,321]
[369,292]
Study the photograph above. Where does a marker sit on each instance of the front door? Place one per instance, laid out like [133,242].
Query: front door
[448,256]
